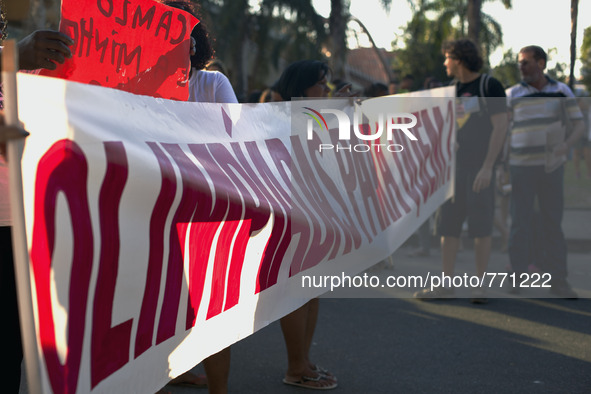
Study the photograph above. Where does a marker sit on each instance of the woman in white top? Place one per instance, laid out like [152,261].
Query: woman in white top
[206,87]
[210,87]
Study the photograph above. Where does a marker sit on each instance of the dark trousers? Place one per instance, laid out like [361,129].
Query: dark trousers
[529,182]
[11,336]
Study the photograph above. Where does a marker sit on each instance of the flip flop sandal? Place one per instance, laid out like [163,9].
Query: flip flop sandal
[305,381]
[322,371]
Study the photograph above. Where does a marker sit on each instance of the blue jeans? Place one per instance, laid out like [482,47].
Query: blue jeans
[529,182]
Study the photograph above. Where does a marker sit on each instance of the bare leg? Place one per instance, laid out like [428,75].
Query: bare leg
[298,331]
[482,254]
[313,307]
[449,252]
[295,332]
[217,368]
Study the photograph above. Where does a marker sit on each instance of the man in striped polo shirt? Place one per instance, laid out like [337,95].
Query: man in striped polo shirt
[546,123]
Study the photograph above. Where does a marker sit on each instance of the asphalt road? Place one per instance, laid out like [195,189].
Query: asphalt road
[402,345]
[408,346]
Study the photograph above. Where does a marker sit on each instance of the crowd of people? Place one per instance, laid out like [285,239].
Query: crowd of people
[503,136]
[529,170]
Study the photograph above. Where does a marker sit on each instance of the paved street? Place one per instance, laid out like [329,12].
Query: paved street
[407,346]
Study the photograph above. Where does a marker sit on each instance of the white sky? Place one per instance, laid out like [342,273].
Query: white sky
[530,22]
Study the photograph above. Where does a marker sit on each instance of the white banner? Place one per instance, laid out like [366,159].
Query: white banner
[160,232]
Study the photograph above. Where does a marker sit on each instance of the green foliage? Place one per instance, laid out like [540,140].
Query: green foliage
[507,71]
[453,13]
[434,21]
[421,53]
[255,42]
[559,71]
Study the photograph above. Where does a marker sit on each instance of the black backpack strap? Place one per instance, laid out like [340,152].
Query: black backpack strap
[483,92]
[484,82]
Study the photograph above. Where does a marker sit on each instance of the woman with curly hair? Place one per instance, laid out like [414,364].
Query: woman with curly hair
[205,87]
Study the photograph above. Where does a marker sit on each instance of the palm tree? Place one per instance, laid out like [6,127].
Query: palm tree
[251,40]
[574,12]
[256,39]
[586,58]
[474,9]
[376,49]
[338,20]
[475,18]
[422,41]
[468,19]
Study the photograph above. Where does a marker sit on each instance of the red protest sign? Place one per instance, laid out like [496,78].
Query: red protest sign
[140,46]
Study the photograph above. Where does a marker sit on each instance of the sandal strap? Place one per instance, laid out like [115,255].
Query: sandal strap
[318,378]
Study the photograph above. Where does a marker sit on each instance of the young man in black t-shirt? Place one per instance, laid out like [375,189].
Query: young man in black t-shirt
[482,125]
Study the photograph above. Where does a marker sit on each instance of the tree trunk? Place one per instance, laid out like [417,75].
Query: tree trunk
[474,20]
[378,51]
[338,26]
[574,12]
[238,19]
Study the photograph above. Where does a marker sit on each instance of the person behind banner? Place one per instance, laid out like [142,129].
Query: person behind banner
[482,126]
[13,353]
[270,95]
[547,122]
[41,49]
[305,78]
[376,89]
[407,84]
[205,87]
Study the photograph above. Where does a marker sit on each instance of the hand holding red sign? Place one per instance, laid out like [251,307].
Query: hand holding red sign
[139,46]
[44,49]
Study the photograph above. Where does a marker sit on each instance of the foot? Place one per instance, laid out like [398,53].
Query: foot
[190,379]
[436,294]
[562,289]
[323,372]
[318,382]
